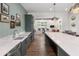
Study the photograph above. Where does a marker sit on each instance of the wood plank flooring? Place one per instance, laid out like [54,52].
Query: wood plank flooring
[39,47]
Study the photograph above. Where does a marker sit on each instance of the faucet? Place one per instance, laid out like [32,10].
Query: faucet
[14,33]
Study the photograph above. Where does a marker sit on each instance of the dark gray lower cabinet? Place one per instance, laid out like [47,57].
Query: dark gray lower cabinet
[29,40]
[61,52]
[51,43]
[25,44]
[23,47]
[58,50]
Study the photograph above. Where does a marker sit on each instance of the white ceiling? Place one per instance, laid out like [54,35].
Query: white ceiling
[45,7]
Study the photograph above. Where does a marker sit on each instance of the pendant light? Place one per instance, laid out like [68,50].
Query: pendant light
[54,18]
[75,8]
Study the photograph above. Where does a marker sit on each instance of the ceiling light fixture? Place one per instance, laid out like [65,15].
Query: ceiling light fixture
[54,18]
[75,8]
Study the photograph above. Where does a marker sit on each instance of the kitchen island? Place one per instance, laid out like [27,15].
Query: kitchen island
[67,45]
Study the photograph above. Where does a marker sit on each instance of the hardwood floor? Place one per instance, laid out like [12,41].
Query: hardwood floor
[39,47]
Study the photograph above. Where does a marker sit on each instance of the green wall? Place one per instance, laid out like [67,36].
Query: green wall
[13,9]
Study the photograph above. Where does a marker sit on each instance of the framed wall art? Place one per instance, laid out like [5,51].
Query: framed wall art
[12,17]
[4,18]
[12,24]
[18,21]
[4,8]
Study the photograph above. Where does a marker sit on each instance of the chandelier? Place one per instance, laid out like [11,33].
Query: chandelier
[54,18]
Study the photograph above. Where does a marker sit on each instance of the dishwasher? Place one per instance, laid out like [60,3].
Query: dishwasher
[15,51]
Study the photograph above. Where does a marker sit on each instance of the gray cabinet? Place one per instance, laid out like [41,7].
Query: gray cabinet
[28,22]
[61,52]
[29,40]
[58,50]
[25,44]
[51,43]
[23,47]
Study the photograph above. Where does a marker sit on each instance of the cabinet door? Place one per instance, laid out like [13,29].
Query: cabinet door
[23,48]
[61,52]
[51,43]
[32,36]
[29,40]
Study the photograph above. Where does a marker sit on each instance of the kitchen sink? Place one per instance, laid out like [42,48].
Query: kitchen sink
[19,38]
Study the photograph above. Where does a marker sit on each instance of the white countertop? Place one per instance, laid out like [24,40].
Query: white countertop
[69,43]
[7,43]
